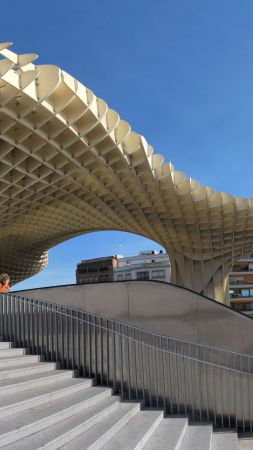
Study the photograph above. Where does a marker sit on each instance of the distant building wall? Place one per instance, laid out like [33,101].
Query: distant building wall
[95,270]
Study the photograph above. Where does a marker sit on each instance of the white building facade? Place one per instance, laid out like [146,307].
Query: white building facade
[148,265]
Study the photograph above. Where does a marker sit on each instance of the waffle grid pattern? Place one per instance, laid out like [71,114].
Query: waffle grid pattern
[70,165]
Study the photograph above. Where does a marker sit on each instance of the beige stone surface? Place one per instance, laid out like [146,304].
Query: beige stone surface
[70,165]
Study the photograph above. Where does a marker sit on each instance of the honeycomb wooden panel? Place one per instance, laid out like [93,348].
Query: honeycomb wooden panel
[70,165]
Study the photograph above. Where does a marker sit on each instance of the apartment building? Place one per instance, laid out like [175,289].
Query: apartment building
[96,270]
[148,265]
[241,285]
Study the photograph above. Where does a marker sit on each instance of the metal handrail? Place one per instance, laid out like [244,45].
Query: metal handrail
[130,325]
[205,383]
[132,339]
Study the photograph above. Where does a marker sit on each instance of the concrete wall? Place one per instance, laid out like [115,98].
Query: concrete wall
[158,307]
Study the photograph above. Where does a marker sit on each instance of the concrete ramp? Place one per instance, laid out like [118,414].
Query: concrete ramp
[158,307]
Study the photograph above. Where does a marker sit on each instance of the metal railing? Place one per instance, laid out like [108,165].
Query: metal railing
[205,383]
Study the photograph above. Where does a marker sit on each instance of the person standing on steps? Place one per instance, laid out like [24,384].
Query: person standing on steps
[4,282]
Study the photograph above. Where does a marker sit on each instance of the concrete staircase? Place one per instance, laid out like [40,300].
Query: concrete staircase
[42,406]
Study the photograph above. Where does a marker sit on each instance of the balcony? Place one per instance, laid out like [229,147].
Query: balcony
[244,307]
[234,282]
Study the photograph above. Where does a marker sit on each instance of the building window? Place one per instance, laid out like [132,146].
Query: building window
[158,273]
[237,281]
[128,276]
[142,275]
[119,277]
[245,293]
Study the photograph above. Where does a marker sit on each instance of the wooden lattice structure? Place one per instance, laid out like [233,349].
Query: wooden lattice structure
[70,165]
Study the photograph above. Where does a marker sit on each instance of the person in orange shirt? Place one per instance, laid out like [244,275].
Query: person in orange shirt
[4,282]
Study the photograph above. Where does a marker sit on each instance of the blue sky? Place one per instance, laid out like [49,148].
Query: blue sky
[180,72]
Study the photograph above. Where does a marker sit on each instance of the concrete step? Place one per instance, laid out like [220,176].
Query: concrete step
[13,352]
[9,373]
[66,430]
[29,422]
[103,431]
[32,381]
[225,441]
[118,413]
[47,409]
[168,435]
[246,443]
[135,432]
[197,437]
[6,345]
[10,361]
[17,402]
